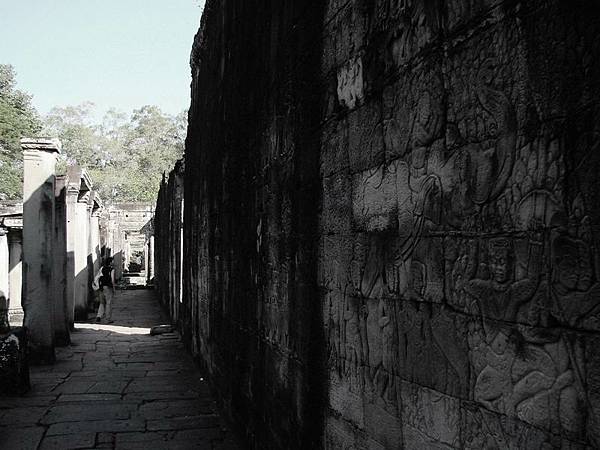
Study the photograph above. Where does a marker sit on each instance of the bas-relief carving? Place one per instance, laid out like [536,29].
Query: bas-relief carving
[483,429]
[350,85]
[416,24]
[474,176]
[399,205]
[532,373]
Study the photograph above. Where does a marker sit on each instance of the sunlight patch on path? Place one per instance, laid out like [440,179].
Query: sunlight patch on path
[113,328]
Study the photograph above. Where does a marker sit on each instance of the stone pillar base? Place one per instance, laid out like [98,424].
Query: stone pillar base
[15,317]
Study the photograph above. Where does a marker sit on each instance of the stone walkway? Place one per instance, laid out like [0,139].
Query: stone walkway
[117,387]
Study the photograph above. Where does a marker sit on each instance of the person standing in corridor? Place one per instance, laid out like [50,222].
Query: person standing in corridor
[107,291]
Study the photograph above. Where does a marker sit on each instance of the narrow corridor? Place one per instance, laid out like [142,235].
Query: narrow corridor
[117,387]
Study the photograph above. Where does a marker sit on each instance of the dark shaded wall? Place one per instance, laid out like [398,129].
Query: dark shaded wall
[251,209]
[168,250]
[391,222]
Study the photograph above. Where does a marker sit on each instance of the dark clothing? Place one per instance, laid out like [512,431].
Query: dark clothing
[106,279]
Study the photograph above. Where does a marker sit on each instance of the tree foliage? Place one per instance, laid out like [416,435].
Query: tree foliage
[125,154]
[18,119]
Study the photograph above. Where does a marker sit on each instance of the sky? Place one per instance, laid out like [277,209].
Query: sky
[115,53]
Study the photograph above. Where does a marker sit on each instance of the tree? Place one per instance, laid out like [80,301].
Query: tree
[125,156]
[18,119]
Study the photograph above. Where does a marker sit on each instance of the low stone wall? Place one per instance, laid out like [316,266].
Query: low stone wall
[391,222]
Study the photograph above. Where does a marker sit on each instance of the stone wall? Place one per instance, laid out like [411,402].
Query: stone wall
[251,209]
[127,223]
[391,221]
[168,231]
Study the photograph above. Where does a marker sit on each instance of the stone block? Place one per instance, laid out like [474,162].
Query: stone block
[350,84]
[334,147]
[429,416]
[337,205]
[341,434]
[485,429]
[365,136]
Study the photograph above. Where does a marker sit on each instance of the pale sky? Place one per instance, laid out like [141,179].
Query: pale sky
[114,53]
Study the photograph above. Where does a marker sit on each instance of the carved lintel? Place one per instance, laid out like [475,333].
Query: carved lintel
[41,144]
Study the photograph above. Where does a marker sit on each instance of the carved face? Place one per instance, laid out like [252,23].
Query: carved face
[417,274]
[499,265]
[567,267]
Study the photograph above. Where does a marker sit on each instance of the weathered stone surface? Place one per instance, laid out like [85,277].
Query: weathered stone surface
[391,222]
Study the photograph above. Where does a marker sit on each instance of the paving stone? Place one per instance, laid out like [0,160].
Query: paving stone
[88,397]
[122,438]
[111,426]
[197,435]
[149,385]
[22,415]
[175,408]
[15,402]
[20,438]
[89,411]
[69,441]
[106,438]
[71,386]
[152,396]
[184,423]
[108,387]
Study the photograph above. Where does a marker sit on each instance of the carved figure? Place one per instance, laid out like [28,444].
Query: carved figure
[521,371]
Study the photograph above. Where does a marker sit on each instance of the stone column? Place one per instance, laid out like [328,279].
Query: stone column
[39,161]
[61,315]
[4,263]
[90,254]
[95,236]
[81,265]
[15,277]
[72,234]
[150,258]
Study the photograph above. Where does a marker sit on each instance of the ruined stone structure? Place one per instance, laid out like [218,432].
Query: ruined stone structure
[50,249]
[11,255]
[130,226]
[391,222]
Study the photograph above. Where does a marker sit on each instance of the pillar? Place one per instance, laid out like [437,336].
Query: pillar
[61,315]
[4,263]
[150,258]
[15,277]
[81,265]
[72,195]
[89,255]
[39,161]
